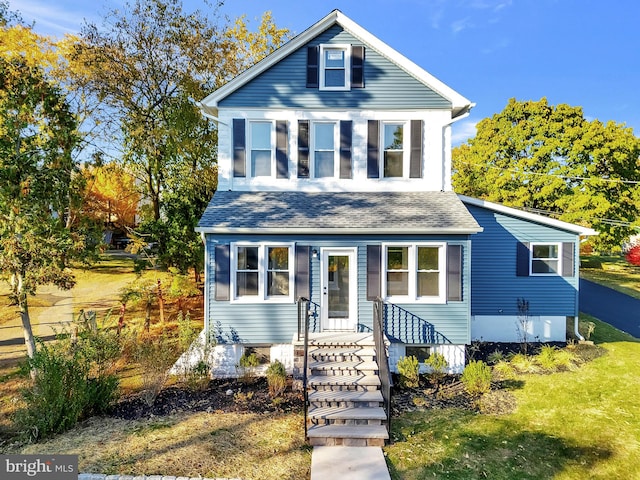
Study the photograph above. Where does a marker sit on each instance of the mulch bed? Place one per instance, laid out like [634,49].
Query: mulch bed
[220,396]
[233,396]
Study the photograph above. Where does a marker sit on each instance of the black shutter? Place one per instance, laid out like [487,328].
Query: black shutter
[239,149]
[282,159]
[454,273]
[568,260]
[415,162]
[302,277]
[222,262]
[303,149]
[357,66]
[374,265]
[313,67]
[346,128]
[373,152]
[522,259]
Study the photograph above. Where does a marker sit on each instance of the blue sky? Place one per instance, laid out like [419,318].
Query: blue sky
[580,52]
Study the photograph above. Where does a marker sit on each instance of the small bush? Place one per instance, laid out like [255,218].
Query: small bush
[246,366]
[503,370]
[276,378]
[74,379]
[546,358]
[524,364]
[437,363]
[476,378]
[155,354]
[495,357]
[408,368]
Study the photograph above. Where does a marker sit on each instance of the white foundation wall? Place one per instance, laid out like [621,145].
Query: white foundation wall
[455,355]
[284,354]
[509,328]
[223,359]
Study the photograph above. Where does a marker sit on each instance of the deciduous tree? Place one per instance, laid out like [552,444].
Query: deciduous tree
[37,172]
[551,160]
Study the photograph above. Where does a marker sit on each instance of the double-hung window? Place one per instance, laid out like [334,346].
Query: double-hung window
[262,148]
[335,67]
[415,272]
[545,258]
[393,150]
[262,272]
[324,150]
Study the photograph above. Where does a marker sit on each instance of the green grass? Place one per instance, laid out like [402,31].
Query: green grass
[612,271]
[569,425]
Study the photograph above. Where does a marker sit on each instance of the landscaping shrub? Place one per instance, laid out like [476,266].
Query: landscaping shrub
[155,355]
[74,379]
[437,363]
[247,365]
[476,378]
[276,378]
[524,364]
[503,370]
[408,368]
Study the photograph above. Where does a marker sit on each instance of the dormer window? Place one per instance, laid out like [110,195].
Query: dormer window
[335,67]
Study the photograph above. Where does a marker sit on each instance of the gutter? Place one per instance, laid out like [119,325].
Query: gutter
[332,231]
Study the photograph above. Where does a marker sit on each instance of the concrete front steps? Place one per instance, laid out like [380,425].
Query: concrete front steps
[346,406]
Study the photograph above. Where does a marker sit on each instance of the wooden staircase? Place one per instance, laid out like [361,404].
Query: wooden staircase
[345,402]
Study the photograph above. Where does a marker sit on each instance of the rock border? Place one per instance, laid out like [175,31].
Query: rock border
[100,476]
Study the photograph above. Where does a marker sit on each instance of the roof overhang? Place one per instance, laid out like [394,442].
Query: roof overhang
[514,212]
[336,231]
[460,105]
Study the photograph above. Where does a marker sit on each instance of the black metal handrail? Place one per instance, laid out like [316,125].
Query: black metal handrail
[406,327]
[303,324]
[382,357]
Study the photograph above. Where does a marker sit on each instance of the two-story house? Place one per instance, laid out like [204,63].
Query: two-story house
[334,184]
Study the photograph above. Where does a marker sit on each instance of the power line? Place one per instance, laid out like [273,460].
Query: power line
[565,177]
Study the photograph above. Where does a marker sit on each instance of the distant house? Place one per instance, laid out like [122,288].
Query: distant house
[334,184]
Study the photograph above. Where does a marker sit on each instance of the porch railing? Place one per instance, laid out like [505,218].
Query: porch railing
[405,327]
[303,331]
[382,357]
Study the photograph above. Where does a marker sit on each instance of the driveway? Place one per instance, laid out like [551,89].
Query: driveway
[615,308]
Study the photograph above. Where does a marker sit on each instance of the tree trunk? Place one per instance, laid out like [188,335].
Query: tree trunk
[160,302]
[147,317]
[29,340]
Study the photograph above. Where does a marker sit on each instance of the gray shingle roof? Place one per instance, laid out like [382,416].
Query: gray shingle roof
[322,212]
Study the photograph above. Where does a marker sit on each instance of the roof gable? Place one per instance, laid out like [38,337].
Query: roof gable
[458,104]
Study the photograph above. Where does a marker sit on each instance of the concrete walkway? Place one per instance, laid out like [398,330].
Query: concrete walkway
[610,306]
[348,463]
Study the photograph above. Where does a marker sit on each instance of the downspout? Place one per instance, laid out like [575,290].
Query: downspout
[575,327]
[446,179]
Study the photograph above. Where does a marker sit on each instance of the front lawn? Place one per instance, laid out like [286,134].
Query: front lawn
[569,425]
[611,271]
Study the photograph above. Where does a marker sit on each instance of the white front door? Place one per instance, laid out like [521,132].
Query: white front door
[339,304]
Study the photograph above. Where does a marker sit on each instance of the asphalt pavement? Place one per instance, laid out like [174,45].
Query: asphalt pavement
[610,306]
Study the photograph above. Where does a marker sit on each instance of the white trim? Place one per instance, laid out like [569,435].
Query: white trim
[460,105]
[406,148]
[578,229]
[313,149]
[412,295]
[336,231]
[352,254]
[347,66]
[262,296]
[558,272]
[249,148]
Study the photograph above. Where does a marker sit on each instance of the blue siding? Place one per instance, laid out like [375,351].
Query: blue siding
[264,323]
[284,84]
[495,286]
